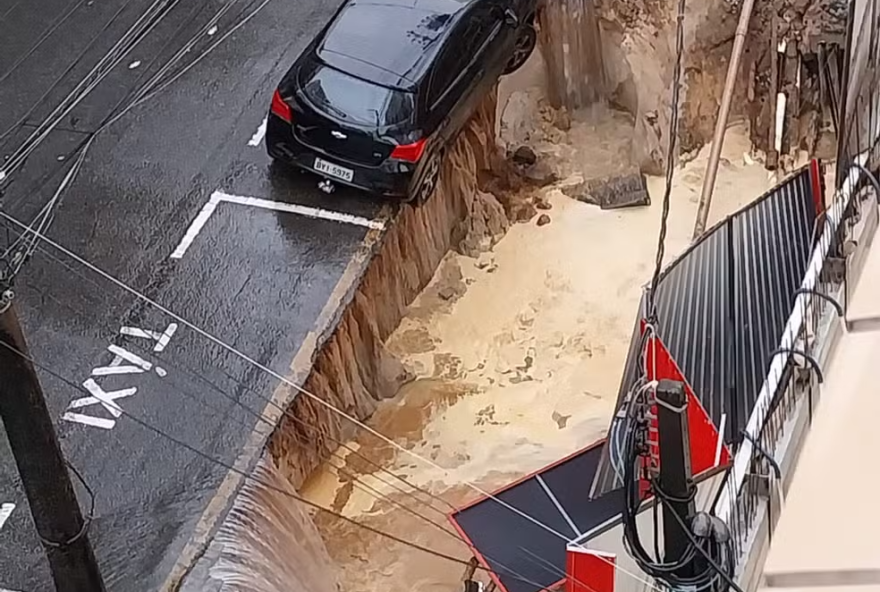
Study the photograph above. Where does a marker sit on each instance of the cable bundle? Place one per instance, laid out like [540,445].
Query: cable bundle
[709,558]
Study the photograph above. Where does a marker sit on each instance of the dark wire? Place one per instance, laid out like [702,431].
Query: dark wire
[670,158]
[113,115]
[690,535]
[256,414]
[287,413]
[12,7]
[87,519]
[232,468]
[67,71]
[45,35]
[269,486]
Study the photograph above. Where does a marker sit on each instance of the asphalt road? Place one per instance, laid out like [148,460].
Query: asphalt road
[256,275]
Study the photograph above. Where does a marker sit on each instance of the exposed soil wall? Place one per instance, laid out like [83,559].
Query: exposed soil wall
[353,370]
[624,53]
[629,59]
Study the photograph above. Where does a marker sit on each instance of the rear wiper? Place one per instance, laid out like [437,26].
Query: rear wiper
[336,110]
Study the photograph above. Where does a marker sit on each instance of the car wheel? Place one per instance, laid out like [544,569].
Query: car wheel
[522,50]
[429,181]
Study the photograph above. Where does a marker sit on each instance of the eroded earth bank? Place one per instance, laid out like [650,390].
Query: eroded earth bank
[487,335]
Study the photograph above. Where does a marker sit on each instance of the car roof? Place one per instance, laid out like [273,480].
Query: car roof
[390,42]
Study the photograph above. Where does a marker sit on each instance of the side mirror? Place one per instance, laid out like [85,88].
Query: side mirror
[510,18]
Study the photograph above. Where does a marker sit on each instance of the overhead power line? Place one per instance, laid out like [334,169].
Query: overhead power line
[142,94]
[269,486]
[369,490]
[125,287]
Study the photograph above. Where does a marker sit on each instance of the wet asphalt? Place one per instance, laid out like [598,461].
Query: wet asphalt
[255,278]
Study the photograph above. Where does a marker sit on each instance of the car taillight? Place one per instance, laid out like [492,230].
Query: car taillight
[280,108]
[409,152]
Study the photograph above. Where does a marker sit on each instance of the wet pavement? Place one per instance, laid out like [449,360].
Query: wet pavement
[256,275]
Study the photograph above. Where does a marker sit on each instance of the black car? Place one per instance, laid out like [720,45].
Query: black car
[375,99]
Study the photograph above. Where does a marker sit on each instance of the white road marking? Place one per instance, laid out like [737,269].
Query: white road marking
[136,332]
[106,398]
[115,369]
[165,339]
[5,513]
[259,134]
[129,357]
[161,339]
[136,365]
[219,197]
[196,227]
[95,422]
[308,211]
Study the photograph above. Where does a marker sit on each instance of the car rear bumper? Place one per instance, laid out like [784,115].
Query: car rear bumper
[386,179]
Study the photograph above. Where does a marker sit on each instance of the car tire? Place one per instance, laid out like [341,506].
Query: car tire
[525,44]
[428,184]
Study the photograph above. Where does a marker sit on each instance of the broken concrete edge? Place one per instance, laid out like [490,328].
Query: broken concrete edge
[214,515]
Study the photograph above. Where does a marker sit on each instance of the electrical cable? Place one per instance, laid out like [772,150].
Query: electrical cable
[630,443]
[87,519]
[152,17]
[67,71]
[46,34]
[670,158]
[139,98]
[216,341]
[40,235]
[230,349]
[288,413]
[354,479]
[250,477]
[110,118]
[45,218]
[171,80]
[12,7]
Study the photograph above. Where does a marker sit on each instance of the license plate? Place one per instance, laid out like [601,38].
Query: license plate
[334,170]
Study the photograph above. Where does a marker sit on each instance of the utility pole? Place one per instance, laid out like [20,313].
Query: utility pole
[41,465]
[675,469]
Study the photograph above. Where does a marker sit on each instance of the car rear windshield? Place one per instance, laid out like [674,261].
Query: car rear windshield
[356,100]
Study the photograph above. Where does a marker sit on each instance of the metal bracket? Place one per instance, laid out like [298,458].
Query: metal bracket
[834,269]
[822,296]
[777,470]
[812,361]
[871,177]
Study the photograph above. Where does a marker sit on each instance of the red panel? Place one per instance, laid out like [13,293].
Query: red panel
[703,434]
[818,185]
[589,571]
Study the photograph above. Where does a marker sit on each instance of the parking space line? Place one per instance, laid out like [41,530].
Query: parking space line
[5,513]
[259,134]
[219,197]
[307,211]
[196,227]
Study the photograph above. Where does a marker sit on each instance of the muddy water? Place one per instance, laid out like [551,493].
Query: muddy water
[517,355]
[270,543]
[513,357]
